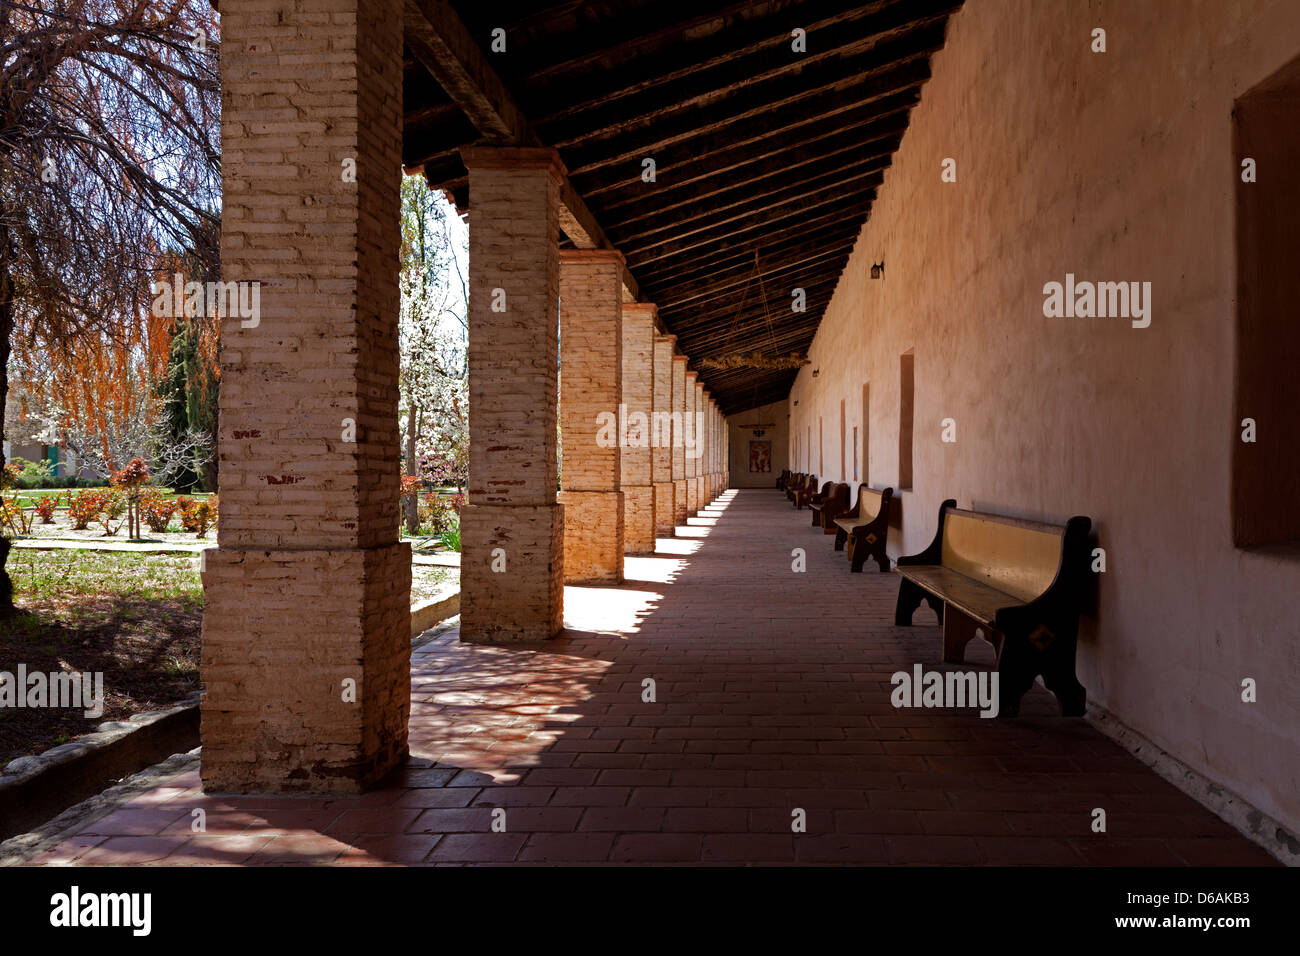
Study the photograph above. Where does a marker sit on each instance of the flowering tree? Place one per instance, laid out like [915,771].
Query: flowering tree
[433,333]
[109,125]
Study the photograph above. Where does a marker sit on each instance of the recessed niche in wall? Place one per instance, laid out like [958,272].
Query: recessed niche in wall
[1265,431]
[906,401]
[866,432]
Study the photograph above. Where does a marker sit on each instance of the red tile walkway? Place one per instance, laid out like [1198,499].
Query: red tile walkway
[772,694]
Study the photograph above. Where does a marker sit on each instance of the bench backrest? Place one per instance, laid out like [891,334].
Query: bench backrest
[1018,557]
[869,501]
[839,496]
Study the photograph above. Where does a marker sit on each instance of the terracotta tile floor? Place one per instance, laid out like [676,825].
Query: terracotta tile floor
[772,694]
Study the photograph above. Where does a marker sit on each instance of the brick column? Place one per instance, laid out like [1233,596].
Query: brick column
[306,627]
[661,436]
[706,462]
[702,446]
[512,529]
[708,448]
[726,451]
[638,397]
[692,437]
[591,389]
[679,450]
[717,450]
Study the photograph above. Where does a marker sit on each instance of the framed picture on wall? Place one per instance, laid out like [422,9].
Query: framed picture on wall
[760,456]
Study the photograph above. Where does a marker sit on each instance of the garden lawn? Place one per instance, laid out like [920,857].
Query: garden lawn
[134,617]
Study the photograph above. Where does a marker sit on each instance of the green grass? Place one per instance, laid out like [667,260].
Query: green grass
[30,496]
[52,575]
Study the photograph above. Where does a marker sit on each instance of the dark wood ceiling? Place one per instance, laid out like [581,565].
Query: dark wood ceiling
[758,150]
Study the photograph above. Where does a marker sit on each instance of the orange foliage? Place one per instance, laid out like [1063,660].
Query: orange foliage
[100,380]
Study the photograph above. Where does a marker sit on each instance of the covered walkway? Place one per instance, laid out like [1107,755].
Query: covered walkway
[772,694]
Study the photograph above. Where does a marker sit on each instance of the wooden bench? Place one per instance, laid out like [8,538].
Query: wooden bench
[865,528]
[802,491]
[1023,580]
[810,494]
[828,507]
[794,486]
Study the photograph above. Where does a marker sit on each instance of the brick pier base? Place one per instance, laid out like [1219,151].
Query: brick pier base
[638,519]
[511,572]
[593,536]
[279,712]
[665,512]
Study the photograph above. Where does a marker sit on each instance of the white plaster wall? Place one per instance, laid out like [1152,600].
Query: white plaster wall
[1114,166]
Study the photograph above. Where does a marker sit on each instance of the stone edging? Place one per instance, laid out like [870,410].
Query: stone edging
[1253,824]
[20,849]
[35,788]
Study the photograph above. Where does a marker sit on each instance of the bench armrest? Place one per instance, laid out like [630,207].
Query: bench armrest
[1064,596]
[880,522]
[934,553]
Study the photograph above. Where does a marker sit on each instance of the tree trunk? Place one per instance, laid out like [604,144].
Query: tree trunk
[412,503]
[6,330]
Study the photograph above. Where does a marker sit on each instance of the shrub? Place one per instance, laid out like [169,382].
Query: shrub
[9,475]
[14,517]
[410,485]
[112,506]
[438,513]
[156,510]
[85,508]
[45,508]
[197,516]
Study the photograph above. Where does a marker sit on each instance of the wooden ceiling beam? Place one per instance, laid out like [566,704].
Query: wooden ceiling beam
[821,210]
[728,193]
[794,137]
[712,278]
[772,209]
[871,79]
[630,68]
[839,48]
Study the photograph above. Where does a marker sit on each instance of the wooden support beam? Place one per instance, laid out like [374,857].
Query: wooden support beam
[440,41]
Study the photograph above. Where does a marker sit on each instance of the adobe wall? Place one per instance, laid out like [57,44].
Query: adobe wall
[1111,166]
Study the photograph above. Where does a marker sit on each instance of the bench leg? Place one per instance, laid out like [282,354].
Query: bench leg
[1059,676]
[910,597]
[1042,651]
[1016,673]
[858,555]
[840,538]
[816,517]
[958,630]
